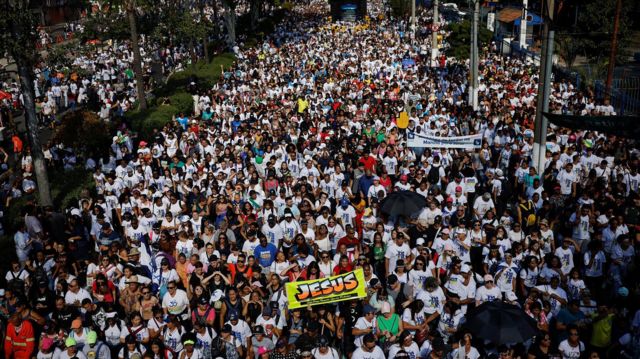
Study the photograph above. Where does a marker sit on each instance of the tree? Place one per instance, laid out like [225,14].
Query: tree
[18,39]
[130,6]
[460,38]
[230,21]
[400,8]
[595,26]
[568,49]
[254,12]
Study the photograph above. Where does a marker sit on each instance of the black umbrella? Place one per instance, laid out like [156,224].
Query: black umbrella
[403,203]
[501,323]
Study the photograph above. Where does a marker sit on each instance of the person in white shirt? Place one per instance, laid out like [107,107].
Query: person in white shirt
[368,349]
[365,325]
[395,251]
[240,330]
[405,343]
[489,292]
[572,347]
[176,302]
[482,205]
[76,295]
[567,179]
[557,296]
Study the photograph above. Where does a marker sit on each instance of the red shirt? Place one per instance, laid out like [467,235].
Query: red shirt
[349,242]
[340,269]
[368,162]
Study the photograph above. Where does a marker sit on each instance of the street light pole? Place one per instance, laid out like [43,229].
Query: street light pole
[413,17]
[544,89]
[474,58]
[523,25]
[434,29]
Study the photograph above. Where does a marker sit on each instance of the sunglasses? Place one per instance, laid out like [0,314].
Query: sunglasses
[171,287]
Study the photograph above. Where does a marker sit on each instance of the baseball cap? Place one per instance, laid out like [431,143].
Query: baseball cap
[386,308]
[70,342]
[281,343]
[92,337]
[226,328]
[368,309]
[465,268]
[233,316]
[47,343]
[258,329]
[488,278]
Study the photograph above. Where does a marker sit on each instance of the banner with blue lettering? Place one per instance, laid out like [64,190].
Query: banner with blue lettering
[464,142]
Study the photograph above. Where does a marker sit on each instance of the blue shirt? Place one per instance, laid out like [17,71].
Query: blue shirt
[265,255]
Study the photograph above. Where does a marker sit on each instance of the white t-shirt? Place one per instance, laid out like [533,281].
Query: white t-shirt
[395,252]
[176,304]
[569,352]
[377,353]
[412,350]
[483,294]
[363,324]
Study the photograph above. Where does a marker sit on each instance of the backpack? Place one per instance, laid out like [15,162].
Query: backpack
[95,351]
[218,348]
[16,283]
[202,320]
[40,274]
[434,175]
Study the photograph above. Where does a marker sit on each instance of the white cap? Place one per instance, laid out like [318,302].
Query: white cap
[602,219]
[420,241]
[217,295]
[75,212]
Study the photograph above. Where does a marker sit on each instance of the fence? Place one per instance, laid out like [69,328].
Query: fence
[624,95]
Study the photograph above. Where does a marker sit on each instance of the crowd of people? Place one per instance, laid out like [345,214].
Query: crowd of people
[184,248]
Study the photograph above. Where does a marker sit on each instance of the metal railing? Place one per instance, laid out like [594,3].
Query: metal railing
[624,95]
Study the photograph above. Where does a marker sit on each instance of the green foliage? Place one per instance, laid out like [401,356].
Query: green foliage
[18,36]
[182,101]
[66,188]
[595,25]
[568,49]
[156,117]
[460,39]
[84,131]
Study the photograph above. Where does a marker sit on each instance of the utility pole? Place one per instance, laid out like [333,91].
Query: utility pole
[523,25]
[434,32]
[474,58]
[614,50]
[413,18]
[544,89]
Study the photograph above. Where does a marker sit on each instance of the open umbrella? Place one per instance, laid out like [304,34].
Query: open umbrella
[403,203]
[501,323]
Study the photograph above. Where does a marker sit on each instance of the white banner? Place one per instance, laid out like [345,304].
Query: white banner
[491,20]
[466,142]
